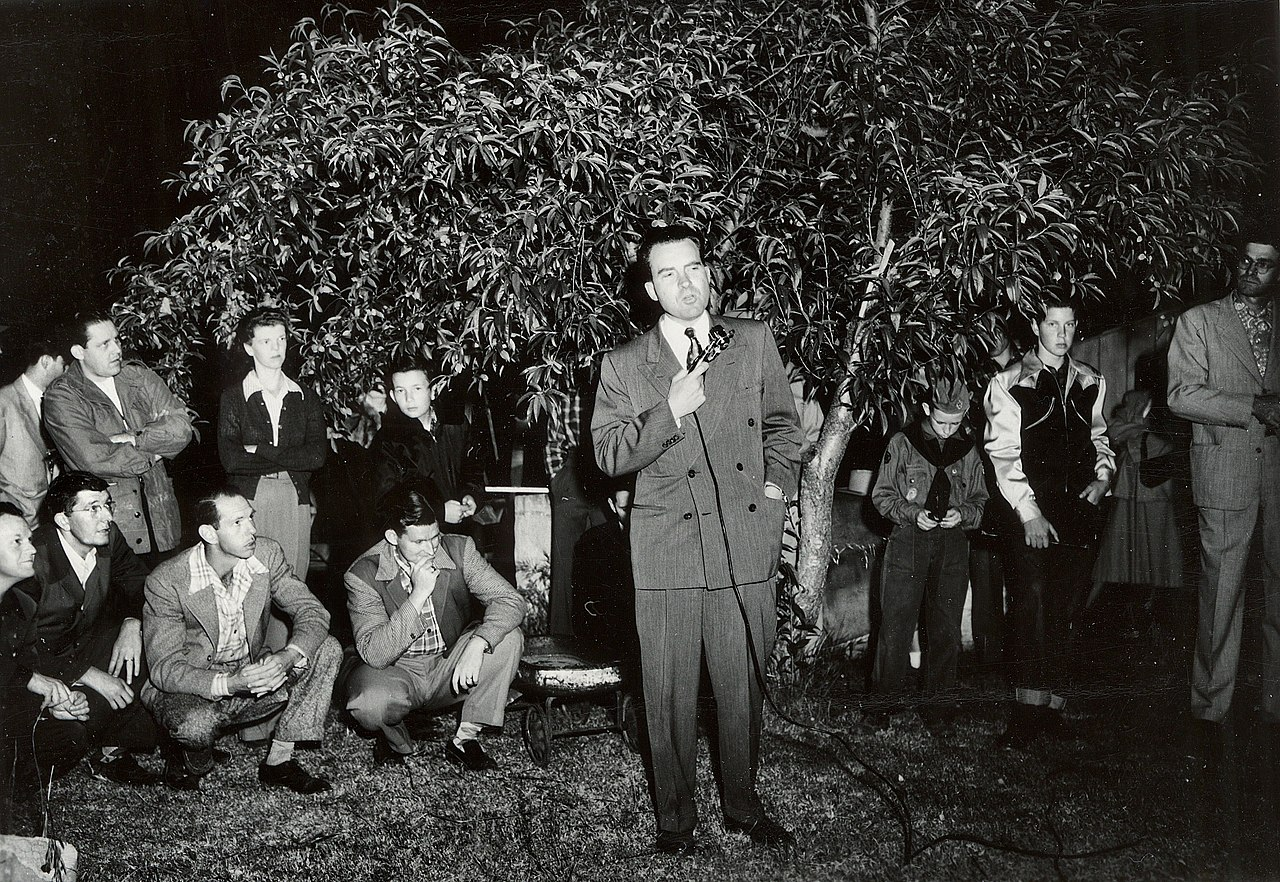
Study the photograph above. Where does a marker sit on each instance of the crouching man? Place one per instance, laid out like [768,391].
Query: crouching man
[203,628]
[410,599]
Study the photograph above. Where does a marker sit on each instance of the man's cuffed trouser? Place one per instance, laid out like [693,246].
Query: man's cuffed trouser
[379,700]
[677,627]
[196,722]
[929,568]
[1049,589]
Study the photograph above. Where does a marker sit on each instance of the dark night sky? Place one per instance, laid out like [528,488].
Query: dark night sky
[96,92]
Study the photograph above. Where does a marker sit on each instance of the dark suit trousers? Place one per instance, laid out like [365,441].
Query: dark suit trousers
[129,728]
[572,514]
[922,569]
[1050,587]
[677,627]
[1225,538]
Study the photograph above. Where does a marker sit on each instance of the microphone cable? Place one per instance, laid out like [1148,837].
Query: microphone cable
[895,800]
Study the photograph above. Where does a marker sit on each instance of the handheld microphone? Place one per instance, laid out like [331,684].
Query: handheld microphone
[718,341]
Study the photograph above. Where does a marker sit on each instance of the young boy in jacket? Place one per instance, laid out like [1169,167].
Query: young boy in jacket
[931,487]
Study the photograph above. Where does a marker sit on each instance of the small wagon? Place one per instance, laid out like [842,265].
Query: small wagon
[559,669]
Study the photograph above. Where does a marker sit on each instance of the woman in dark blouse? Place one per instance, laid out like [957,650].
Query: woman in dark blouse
[271,437]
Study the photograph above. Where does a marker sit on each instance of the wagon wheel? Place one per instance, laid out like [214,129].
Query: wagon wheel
[628,720]
[537,731]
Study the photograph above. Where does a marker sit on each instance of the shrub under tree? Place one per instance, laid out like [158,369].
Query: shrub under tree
[876,180]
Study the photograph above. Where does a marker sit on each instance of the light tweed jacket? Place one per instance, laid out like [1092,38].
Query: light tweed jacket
[1212,380]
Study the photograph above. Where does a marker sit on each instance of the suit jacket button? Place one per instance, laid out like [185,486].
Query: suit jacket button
[739,466]
[751,421]
[688,516]
[136,514]
[751,507]
[693,473]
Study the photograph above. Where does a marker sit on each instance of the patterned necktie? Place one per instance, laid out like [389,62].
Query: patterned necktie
[695,349]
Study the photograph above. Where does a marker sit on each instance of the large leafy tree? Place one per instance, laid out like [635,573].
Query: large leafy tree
[876,180]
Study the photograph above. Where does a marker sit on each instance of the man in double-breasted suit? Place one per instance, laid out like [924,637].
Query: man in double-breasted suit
[715,449]
[88,627]
[119,421]
[26,454]
[204,627]
[1224,376]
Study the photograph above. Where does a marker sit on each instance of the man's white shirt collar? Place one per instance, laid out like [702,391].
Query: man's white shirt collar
[34,392]
[673,333]
[83,566]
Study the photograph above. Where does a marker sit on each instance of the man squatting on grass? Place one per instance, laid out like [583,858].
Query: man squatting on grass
[410,598]
[204,630]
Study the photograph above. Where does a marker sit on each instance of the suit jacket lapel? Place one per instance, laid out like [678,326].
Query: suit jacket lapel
[255,604]
[660,363]
[1272,380]
[205,609]
[1236,338]
[722,382]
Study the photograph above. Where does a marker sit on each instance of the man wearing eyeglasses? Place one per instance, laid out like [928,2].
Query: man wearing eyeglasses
[410,598]
[88,625]
[1224,376]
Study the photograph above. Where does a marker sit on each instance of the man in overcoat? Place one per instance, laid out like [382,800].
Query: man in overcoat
[715,449]
[1224,376]
[119,421]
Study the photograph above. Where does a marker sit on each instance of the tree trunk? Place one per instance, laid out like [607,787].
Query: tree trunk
[817,490]
[817,481]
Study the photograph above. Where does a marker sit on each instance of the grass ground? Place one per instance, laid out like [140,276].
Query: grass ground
[1117,786]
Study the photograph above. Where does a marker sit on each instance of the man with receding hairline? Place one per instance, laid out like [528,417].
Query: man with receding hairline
[204,628]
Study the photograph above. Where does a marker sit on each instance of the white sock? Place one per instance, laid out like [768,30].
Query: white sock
[279,752]
[466,732]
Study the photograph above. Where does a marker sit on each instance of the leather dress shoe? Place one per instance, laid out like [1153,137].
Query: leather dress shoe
[763,831]
[470,755]
[674,844]
[124,769]
[385,755]
[295,777]
[177,777]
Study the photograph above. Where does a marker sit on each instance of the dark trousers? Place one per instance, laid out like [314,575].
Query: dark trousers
[929,569]
[572,514]
[988,575]
[678,628]
[65,742]
[1050,587]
